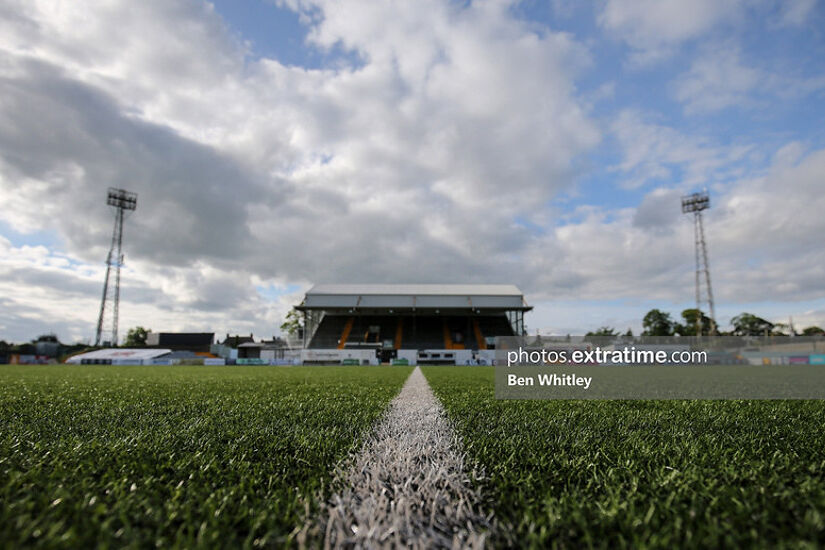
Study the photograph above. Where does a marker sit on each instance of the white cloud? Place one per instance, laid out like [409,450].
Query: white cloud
[653,28]
[47,291]
[764,239]
[385,170]
[427,160]
[654,152]
[717,80]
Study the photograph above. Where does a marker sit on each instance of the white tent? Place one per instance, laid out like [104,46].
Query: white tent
[118,356]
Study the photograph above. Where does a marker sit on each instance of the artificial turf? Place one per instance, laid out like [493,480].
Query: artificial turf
[658,474]
[175,456]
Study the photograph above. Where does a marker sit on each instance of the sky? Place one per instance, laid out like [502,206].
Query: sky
[275,144]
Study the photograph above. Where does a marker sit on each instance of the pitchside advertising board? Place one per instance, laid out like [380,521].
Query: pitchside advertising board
[573,367]
[334,356]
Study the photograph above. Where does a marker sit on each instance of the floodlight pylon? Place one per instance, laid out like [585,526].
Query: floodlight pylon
[695,204]
[121,201]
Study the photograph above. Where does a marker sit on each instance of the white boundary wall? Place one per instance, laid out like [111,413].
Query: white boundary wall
[337,356]
[413,356]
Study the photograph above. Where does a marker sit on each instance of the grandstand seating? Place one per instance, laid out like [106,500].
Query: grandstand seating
[329,332]
[424,333]
[412,332]
[495,325]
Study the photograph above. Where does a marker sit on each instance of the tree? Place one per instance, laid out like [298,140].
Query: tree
[748,324]
[627,337]
[602,336]
[294,322]
[603,331]
[658,323]
[691,318]
[783,329]
[136,337]
[813,331]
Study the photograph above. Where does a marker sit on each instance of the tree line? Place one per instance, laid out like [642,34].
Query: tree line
[660,323]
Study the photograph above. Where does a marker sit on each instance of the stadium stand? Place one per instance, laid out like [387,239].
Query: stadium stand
[404,320]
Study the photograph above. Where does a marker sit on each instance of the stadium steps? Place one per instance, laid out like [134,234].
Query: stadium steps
[480,342]
[399,333]
[448,340]
[345,333]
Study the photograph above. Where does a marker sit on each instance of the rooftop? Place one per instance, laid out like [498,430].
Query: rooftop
[414,297]
[416,289]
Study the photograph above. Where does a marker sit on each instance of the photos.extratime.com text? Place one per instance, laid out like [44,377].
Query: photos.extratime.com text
[597,356]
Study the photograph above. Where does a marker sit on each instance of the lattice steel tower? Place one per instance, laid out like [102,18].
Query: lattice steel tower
[122,201]
[695,204]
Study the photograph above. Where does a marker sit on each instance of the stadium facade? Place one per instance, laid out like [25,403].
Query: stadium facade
[412,324]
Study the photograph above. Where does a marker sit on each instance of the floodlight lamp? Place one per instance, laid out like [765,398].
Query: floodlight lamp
[695,202]
[120,198]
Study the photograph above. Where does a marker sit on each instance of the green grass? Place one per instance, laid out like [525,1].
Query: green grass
[643,473]
[175,456]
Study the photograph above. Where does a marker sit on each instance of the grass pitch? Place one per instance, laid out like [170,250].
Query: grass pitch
[643,473]
[233,456]
[175,456]
[408,486]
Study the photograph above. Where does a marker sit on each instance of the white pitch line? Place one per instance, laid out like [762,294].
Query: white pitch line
[408,486]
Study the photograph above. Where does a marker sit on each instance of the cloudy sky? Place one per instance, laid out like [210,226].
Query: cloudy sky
[277,144]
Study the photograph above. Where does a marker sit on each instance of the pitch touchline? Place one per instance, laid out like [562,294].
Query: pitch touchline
[407,486]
